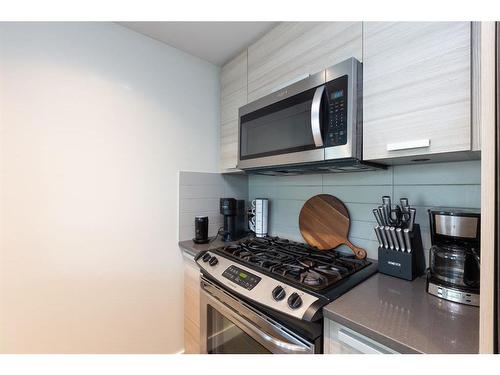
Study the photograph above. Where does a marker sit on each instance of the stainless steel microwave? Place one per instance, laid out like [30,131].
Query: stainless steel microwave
[315,123]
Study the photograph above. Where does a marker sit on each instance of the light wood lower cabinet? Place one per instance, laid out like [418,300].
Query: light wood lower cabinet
[191,306]
[339,339]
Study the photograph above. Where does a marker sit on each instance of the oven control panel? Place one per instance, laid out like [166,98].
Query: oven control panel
[243,278]
[259,287]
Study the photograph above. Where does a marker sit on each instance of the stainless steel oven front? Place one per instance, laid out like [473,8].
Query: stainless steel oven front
[314,120]
[231,326]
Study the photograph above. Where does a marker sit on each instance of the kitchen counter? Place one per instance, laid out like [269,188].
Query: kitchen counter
[193,249]
[403,316]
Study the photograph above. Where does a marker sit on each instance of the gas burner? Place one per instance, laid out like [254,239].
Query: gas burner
[312,278]
[299,263]
[243,253]
[257,246]
[231,248]
[333,270]
[307,263]
[280,241]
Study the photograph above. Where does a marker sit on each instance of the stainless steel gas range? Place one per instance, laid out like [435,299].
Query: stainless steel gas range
[265,295]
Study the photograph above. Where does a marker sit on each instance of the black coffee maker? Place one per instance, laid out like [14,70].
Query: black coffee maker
[455,255]
[234,213]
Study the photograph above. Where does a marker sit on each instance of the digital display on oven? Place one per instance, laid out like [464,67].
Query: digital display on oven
[245,279]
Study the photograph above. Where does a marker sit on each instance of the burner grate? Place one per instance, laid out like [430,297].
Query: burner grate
[300,263]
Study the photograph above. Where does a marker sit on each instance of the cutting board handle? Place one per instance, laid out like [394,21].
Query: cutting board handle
[359,252]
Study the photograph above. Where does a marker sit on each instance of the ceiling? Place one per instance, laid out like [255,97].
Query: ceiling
[216,42]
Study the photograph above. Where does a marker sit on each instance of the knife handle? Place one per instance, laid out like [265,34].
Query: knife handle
[376,213]
[387,213]
[406,235]
[404,203]
[383,235]
[411,221]
[386,200]
[381,211]
[399,234]
[379,236]
[389,239]
[392,232]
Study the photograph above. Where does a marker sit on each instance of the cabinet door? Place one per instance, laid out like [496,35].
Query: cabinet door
[233,95]
[416,88]
[293,50]
[192,330]
[339,339]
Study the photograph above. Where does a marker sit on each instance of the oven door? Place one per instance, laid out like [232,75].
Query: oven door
[284,127]
[230,326]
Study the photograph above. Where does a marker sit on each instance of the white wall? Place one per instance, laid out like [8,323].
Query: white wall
[95,122]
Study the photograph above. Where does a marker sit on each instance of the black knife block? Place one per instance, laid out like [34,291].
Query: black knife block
[404,265]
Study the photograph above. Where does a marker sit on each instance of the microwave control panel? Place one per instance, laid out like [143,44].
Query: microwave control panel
[335,132]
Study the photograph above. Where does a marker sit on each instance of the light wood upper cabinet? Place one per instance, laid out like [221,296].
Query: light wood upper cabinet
[233,95]
[292,50]
[416,88]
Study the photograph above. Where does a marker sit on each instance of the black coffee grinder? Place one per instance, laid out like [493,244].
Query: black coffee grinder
[234,212]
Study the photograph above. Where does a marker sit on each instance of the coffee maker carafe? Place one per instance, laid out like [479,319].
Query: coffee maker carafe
[455,255]
[233,211]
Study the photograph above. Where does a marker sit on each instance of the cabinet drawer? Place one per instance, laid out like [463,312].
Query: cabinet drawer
[342,340]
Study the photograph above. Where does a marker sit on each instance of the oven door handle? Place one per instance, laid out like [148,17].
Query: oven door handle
[275,342]
[316,116]
[236,312]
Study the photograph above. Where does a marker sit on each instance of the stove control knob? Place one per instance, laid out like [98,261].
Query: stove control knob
[213,261]
[206,257]
[294,301]
[278,293]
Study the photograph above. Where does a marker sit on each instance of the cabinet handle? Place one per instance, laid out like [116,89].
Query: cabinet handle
[358,343]
[419,143]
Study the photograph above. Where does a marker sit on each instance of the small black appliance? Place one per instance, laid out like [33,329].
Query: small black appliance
[234,214]
[455,255]
[200,229]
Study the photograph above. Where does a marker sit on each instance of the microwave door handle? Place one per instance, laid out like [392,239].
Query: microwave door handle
[316,116]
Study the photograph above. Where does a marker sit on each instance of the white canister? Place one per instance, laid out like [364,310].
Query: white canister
[259,212]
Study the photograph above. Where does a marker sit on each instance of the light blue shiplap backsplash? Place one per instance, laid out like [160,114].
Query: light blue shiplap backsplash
[199,194]
[454,184]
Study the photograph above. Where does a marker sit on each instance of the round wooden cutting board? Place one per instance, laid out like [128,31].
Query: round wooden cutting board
[324,222]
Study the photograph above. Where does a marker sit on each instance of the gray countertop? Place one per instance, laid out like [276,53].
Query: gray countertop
[397,313]
[193,249]
[403,316]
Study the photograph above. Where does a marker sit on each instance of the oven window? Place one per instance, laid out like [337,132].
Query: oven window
[223,337]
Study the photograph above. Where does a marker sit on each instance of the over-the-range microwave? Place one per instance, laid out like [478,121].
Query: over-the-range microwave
[313,125]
